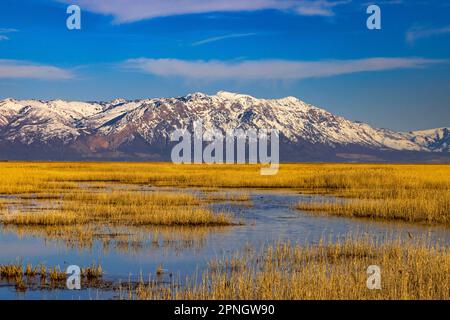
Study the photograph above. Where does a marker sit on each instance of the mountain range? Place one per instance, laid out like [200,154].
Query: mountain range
[140,130]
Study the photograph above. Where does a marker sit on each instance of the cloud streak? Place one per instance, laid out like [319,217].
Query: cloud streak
[134,10]
[14,69]
[270,69]
[420,33]
[225,37]
[318,8]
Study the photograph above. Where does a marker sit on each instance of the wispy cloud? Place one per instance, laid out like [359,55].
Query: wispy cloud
[270,69]
[15,69]
[224,37]
[6,30]
[383,2]
[318,8]
[135,10]
[418,33]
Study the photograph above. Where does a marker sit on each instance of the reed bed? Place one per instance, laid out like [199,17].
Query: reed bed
[414,193]
[88,198]
[122,207]
[22,178]
[120,215]
[433,209]
[42,277]
[324,271]
[17,271]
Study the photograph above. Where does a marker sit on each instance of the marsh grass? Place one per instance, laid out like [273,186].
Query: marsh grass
[22,178]
[324,271]
[428,209]
[89,198]
[117,215]
[17,271]
[424,198]
[414,193]
[122,207]
[48,278]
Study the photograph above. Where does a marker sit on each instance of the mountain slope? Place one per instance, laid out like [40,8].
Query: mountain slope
[140,129]
[434,139]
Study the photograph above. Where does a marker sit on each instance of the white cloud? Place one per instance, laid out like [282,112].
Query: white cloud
[419,33]
[14,69]
[270,69]
[134,10]
[318,8]
[2,37]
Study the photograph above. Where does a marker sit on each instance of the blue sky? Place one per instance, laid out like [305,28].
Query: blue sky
[318,50]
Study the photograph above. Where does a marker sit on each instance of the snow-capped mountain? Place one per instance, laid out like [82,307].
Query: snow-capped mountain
[433,139]
[140,129]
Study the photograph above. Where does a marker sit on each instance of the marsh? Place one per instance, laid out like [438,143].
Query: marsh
[136,221]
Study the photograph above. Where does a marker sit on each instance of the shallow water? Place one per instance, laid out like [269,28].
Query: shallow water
[181,252]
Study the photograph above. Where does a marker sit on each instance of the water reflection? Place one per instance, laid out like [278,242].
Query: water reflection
[129,253]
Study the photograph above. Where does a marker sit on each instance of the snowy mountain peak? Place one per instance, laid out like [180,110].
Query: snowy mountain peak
[196,95]
[117,101]
[140,125]
[233,96]
[435,139]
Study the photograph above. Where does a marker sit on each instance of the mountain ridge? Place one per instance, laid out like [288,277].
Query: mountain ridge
[140,129]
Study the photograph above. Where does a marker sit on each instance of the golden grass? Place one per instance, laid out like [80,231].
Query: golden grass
[430,208]
[17,271]
[415,193]
[79,199]
[25,177]
[324,271]
[418,194]
[122,207]
[44,278]
[182,217]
